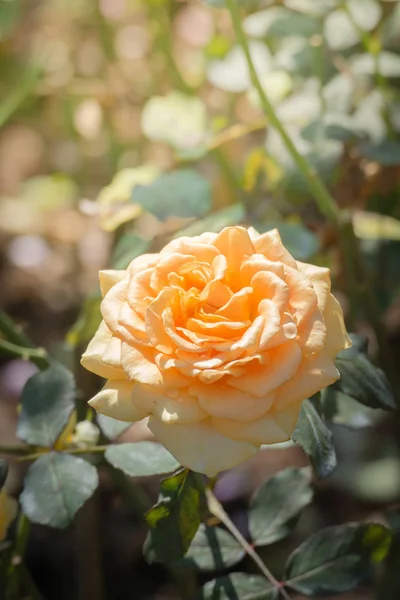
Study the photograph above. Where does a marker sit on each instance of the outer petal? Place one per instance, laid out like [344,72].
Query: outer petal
[92,359]
[321,280]
[108,279]
[314,374]
[115,400]
[270,245]
[200,447]
[112,303]
[273,428]
[139,365]
[337,338]
[221,400]
[182,409]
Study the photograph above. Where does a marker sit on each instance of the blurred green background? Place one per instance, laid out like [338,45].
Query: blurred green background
[100,99]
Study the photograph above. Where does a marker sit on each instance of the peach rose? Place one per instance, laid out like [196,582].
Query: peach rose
[218,338]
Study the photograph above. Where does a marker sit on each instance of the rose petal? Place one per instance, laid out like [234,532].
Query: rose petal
[139,365]
[108,279]
[314,374]
[236,245]
[115,401]
[261,380]
[270,245]
[182,409]
[320,277]
[273,428]
[92,359]
[221,400]
[337,338]
[198,446]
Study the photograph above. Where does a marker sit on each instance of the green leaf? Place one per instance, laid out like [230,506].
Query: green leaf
[344,410]
[174,520]
[386,153]
[3,472]
[55,488]
[182,193]
[365,64]
[233,215]
[128,247]
[361,379]
[213,549]
[276,505]
[112,428]
[48,400]
[9,14]
[141,459]
[337,559]
[315,438]
[239,586]
[87,322]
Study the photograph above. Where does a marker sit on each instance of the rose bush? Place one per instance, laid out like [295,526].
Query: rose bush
[218,339]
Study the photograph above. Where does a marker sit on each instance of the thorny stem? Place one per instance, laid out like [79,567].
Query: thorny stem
[216,509]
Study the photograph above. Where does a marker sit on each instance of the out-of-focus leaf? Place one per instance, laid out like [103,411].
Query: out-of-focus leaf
[176,119]
[87,323]
[26,83]
[276,505]
[310,7]
[361,379]
[294,24]
[3,472]
[231,73]
[334,126]
[183,193]
[341,29]
[129,246]
[337,559]
[276,85]
[373,226]
[115,208]
[344,410]
[9,15]
[386,153]
[259,23]
[300,241]
[48,400]
[315,438]
[112,428]
[55,488]
[50,192]
[174,520]
[376,481]
[213,549]
[239,586]
[233,215]
[141,459]
[260,169]
[389,64]
[368,116]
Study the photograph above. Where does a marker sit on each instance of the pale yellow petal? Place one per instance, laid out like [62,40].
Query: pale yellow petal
[109,278]
[337,338]
[198,446]
[139,365]
[92,359]
[221,400]
[273,428]
[112,303]
[315,373]
[115,401]
[181,409]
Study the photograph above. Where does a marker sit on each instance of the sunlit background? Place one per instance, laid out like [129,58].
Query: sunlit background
[101,98]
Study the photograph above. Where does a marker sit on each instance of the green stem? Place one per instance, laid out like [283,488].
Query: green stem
[18,344]
[325,201]
[161,18]
[17,556]
[38,356]
[216,509]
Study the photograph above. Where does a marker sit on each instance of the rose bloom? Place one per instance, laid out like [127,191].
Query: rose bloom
[218,338]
